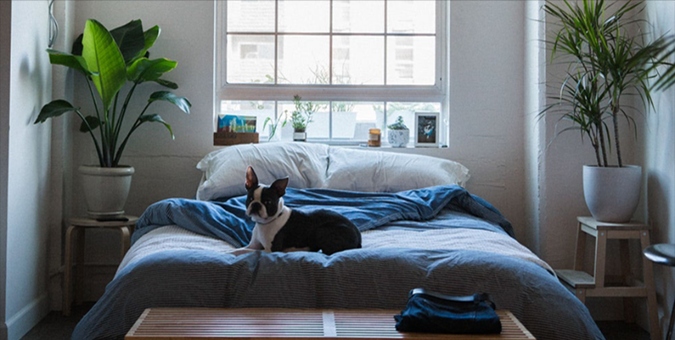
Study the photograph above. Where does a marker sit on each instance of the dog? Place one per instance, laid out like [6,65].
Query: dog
[280,228]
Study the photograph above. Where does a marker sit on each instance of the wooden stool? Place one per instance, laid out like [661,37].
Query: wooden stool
[77,227]
[585,285]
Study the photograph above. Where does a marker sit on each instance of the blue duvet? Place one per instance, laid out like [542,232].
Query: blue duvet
[227,220]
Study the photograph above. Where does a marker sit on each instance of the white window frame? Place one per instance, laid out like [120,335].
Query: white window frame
[438,92]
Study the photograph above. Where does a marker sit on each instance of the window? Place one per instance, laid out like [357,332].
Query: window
[363,62]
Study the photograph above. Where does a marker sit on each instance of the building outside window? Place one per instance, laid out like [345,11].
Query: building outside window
[363,62]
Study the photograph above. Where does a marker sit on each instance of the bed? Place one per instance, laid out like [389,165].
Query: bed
[420,228]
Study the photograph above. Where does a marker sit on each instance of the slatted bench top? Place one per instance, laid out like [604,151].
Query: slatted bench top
[266,323]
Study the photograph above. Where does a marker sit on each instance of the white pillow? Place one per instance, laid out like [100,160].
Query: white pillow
[371,171]
[225,169]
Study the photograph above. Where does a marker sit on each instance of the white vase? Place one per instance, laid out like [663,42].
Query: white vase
[275,136]
[105,190]
[612,193]
[398,138]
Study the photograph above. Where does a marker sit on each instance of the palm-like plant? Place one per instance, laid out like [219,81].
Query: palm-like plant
[606,63]
[110,59]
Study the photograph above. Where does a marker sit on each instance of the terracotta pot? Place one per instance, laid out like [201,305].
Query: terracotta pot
[105,190]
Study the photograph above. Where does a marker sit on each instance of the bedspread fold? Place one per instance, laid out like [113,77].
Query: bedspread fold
[226,219]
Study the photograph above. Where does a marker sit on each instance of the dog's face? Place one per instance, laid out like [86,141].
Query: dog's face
[263,203]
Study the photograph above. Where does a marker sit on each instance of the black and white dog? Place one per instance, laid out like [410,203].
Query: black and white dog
[279,228]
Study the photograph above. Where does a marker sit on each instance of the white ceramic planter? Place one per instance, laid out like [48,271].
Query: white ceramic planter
[398,138]
[299,136]
[612,193]
[105,190]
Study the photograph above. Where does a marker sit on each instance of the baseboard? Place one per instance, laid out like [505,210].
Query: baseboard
[20,323]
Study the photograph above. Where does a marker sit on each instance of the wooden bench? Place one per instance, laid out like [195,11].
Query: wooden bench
[266,323]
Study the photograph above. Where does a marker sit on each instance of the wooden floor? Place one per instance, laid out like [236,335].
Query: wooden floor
[58,327]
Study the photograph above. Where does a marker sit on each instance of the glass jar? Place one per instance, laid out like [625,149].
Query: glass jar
[374,137]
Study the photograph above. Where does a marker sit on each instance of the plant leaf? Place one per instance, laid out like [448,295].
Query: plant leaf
[104,60]
[151,36]
[181,102]
[155,118]
[144,69]
[130,39]
[167,83]
[75,62]
[92,121]
[54,109]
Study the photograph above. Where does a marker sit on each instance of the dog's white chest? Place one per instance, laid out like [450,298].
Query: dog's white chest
[264,233]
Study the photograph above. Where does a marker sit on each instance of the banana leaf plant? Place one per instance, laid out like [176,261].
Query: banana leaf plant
[609,58]
[109,60]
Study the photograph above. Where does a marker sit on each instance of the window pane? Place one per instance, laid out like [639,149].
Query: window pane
[302,59]
[377,51]
[358,60]
[302,16]
[250,58]
[358,16]
[250,16]
[411,61]
[351,120]
[411,16]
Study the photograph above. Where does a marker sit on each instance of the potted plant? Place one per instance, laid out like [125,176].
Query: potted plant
[398,133]
[110,60]
[301,117]
[606,64]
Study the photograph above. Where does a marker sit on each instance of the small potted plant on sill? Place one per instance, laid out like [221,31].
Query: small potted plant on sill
[109,60]
[398,133]
[301,117]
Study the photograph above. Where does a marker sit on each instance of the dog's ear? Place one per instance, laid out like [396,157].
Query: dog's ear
[251,179]
[280,186]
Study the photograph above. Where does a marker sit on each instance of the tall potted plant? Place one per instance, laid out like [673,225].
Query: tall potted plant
[608,60]
[109,60]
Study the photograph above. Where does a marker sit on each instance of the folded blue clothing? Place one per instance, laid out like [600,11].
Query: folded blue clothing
[431,312]
[226,219]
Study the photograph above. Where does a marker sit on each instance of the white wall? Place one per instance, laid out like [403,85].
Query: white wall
[659,141]
[487,101]
[28,170]
[5,67]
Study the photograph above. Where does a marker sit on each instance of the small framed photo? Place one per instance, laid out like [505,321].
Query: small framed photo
[426,129]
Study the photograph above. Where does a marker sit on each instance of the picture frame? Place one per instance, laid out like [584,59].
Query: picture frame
[426,129]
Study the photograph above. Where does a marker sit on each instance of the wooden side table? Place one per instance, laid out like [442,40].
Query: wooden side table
[596,285]
[76,227]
